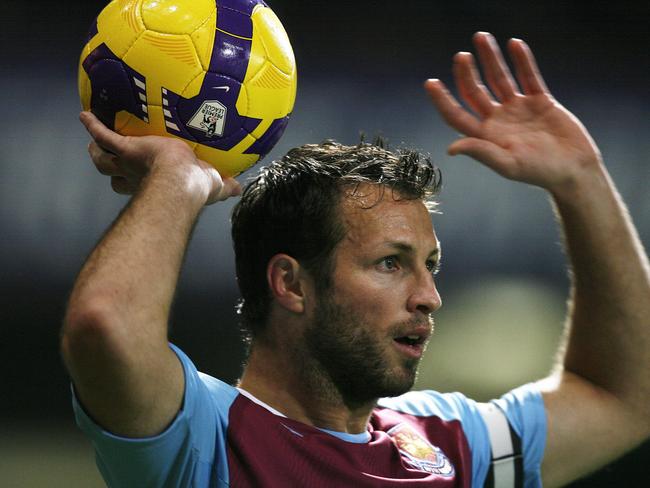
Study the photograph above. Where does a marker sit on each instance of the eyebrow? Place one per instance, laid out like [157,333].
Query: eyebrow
[407,248]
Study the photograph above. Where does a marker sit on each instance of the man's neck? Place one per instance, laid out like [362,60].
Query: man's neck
[298,389]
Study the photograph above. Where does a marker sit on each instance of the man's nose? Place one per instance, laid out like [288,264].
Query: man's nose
[425,297]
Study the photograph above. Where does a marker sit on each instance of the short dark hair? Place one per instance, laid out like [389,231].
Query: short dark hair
[291,207]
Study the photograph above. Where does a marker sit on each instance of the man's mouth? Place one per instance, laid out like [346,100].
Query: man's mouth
[412,343]
[410,340]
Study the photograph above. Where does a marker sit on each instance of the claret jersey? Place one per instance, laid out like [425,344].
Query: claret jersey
[223,436]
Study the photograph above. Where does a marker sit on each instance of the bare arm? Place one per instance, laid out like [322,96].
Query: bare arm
[597,401]
[608,332]
[114,339]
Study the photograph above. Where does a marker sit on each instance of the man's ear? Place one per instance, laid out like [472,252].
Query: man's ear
[285,278]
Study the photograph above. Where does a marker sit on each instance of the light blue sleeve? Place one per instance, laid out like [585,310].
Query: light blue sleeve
[184,455]
[523,407]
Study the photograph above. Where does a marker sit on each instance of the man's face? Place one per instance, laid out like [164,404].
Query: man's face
[371,327]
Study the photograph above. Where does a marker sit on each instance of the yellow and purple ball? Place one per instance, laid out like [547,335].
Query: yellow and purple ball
[219,74]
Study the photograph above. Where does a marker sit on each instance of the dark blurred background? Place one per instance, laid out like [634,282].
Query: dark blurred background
[361,66]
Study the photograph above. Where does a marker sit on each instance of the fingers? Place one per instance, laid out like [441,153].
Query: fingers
[528,74]
[488,153]
[494,66]
[121,185]
[450,109]
[104,161]
[474,92]
[470,86]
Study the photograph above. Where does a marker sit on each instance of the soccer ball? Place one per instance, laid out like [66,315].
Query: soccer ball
[220,74]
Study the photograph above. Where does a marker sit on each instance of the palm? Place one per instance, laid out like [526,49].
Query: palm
[526,137]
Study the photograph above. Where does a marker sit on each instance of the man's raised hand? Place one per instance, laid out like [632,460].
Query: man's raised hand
[130,160]
[516,128]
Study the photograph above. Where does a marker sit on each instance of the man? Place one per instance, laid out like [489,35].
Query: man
[339,312]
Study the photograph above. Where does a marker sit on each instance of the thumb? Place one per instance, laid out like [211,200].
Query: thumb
[106,138]
[223,188]
[232,187]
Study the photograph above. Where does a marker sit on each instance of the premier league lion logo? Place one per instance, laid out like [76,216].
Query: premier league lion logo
[209,118]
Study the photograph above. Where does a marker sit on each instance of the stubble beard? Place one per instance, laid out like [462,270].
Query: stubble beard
[347,359]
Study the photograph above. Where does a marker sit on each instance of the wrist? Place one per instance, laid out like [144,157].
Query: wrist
[182,183]
[589,181]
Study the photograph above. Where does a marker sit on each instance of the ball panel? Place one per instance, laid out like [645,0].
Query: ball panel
[179,47]
[93,43]
[243,6]
[229,163]
[114,87]
[129,125]
[193,88]
[271,89]
[259,130]
[176,16]
[203,39]
[274,39]
[230,55]
[119,25]
[111,90]
[271,77]
[265,142]
[270,93]
[235,23]
[92,32]
[292,92]
[83,83]
[169,60]
[242,105]
[131,12]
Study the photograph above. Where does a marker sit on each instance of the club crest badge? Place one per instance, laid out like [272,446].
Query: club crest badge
[419,453]
[209,118]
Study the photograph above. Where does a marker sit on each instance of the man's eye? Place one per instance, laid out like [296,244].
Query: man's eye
[433,267]
[389,263]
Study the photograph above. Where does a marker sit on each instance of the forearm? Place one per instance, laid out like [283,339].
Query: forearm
[115,331]
[114,339]
[608,341]
[133,270]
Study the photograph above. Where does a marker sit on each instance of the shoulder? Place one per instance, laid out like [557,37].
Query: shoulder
[428,403]
[523,408]
[202,389]
[206,400]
